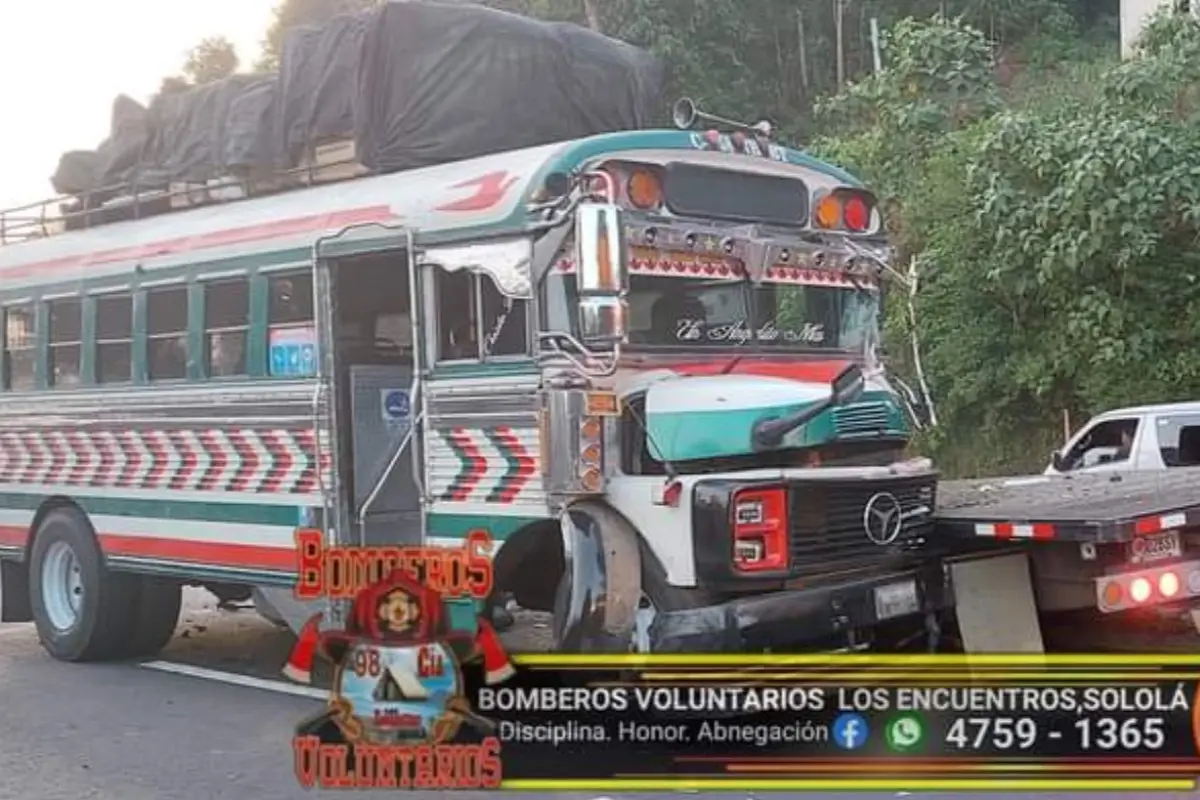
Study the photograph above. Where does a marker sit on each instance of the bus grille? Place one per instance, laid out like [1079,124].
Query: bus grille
[860,419]
[827,530]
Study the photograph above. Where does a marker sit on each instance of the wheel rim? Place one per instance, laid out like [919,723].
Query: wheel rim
[62,586]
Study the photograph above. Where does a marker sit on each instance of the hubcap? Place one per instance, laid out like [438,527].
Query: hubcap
[62,586]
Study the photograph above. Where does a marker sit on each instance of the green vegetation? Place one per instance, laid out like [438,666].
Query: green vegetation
[1054,231]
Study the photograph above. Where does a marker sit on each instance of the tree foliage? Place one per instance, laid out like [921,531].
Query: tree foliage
[1056,243]
[211,60]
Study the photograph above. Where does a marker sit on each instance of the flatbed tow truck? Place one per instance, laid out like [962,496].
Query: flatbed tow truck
[1123,545]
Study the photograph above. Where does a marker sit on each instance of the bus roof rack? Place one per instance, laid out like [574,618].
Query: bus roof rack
[327,163]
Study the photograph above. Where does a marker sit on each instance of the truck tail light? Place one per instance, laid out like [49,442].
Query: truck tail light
[1148,587]
[760,530]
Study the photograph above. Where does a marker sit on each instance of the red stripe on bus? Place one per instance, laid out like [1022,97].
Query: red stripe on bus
[13,535]
[245,235]
[809,371]
[217,553]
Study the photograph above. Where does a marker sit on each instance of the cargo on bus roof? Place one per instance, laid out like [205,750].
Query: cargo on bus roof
[401,86]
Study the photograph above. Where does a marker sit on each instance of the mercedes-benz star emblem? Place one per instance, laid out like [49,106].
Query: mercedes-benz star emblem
[883,518]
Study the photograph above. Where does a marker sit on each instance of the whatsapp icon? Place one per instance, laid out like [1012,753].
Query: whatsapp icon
[905,733]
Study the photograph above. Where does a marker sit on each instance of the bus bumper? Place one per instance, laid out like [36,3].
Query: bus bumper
[805,615]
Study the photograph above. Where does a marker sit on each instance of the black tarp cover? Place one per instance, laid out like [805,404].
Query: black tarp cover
[317,73]
[189,130]
[415,84]
[439,82]
[119,157]
[250,141]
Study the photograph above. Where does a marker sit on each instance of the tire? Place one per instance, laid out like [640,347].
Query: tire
[156,615]
[98,626]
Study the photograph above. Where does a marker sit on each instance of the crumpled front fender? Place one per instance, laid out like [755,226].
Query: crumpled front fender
[602,582]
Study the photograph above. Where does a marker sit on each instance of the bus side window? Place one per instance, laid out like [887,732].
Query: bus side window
[114,338]
[291,334]
[505,321]
[66,342]
[226,322]
[457,319]
[20,348]
[166,333]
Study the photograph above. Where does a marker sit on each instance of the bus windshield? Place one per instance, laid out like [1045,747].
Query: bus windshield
[685,312]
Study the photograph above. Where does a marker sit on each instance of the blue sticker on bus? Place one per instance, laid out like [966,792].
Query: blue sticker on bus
[396,406]
[279,362]
[308,359]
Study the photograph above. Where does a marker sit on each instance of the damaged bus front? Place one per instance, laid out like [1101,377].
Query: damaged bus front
[719,439]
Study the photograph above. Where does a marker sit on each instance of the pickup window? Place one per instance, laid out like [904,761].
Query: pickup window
[1109,442]
[1179,439]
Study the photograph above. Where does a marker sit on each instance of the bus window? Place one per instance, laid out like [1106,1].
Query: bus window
[291,333]
[66,338]
[166,333]
[456,317]
[114,338]
[20,350]
[291,299]
[226,321]
[505,331]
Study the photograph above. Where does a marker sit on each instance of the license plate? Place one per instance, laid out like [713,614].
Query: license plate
[1160,546]
[896,600]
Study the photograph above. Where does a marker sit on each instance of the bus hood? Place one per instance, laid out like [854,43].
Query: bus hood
[690,416]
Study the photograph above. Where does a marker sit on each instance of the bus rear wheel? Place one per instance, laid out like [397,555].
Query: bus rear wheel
[81,609]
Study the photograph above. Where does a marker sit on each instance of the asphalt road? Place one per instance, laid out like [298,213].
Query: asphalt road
[134,731]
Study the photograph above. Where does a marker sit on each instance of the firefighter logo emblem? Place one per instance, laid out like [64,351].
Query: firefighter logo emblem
[398,668]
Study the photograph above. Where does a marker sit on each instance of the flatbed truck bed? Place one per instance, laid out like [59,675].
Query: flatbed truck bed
[1095,507]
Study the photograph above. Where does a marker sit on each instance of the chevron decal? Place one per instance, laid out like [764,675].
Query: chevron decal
[521,465]
[494,465]
[474,465]
[251,461]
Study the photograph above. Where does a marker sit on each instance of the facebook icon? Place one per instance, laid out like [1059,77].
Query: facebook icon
[850,731]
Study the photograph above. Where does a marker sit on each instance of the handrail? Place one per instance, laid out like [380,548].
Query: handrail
[133,198]
[404,443]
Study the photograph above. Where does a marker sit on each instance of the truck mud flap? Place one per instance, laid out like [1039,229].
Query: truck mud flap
[995,606]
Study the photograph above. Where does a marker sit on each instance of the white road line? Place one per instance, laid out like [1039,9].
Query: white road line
[279,687]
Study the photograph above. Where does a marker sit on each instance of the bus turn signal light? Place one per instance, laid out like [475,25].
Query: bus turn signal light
[844,210]
[644,190]
[828,214]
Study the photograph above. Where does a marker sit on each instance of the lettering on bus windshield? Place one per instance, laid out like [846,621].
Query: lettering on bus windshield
[692,330]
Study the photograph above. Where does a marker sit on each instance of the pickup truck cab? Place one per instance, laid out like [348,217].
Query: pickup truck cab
[1141,438]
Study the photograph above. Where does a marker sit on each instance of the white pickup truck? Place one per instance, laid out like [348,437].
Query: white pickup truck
[1141,438]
